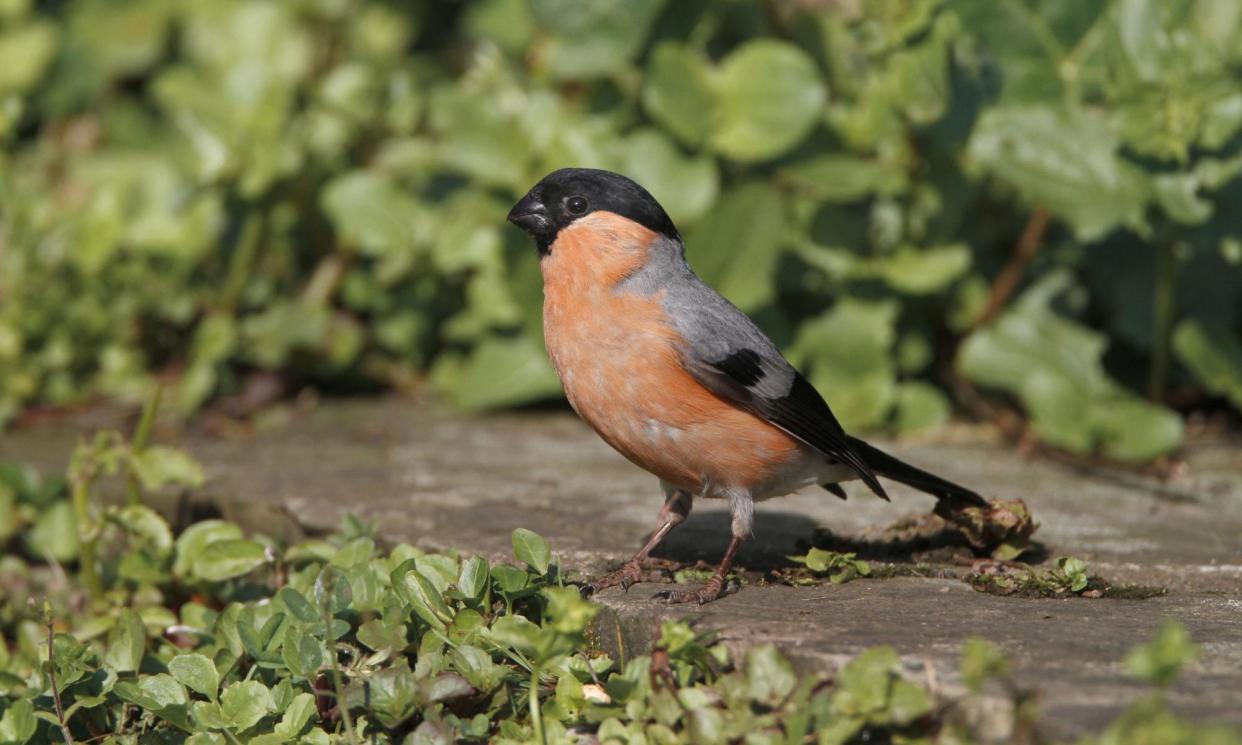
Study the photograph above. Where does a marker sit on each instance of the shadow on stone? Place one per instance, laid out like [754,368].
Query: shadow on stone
[778,535]
[704,536]
[915,538]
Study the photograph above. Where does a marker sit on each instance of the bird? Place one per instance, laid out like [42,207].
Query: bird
[678,379]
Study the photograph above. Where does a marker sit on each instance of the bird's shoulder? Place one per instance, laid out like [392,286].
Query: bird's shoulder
[721,339]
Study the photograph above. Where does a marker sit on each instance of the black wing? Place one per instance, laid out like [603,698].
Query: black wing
[771,389]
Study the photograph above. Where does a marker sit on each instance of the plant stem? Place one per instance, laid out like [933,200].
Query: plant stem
[536,716]
[51,674]
[341,705]
[1009,277]
[87,536]
[1166,283]
[142,438]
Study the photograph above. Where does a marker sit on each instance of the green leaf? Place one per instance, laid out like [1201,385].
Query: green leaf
[842,178]
[685,186]
[981,661]
[194,539]
[1053,365]
[197,672]
[18,724]
[157,467]
[478,667]
[736,246]
[129,641]
[770,677]
[54,534]
[382,636]
[1082,180]
[1177,194]
[847,356]
[591,39]
[357,551]
[333,593]
[568,612]
[298,606]
[371,212]
[302,653]
[244,704]
[474,577]
[516,632]
[921,407]
[677,92]
[207,715]
[424,597]
[907,702]
[706,725]
[441,569]
[510,578]
[863,684]
[224,560]
[1213,355]
[1161,660]
[163,689]
[25,53]
[471,381]
[148,526]
[923,271]
[1024,44]
[297,715]
[448,686]
[531,549]
[769,97]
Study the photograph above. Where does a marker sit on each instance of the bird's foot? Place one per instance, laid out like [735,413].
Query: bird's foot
[713,590]
[629,573]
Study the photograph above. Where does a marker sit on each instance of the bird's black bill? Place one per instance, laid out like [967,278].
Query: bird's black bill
[532,216]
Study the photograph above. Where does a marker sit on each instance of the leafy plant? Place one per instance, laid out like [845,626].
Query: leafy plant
[839,568]
[1068,576]
[236,196]
[1161,660]
[213,636]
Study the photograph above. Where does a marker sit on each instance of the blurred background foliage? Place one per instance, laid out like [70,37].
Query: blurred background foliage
[919,200]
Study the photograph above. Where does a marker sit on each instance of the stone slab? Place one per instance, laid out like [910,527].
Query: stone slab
[440,480]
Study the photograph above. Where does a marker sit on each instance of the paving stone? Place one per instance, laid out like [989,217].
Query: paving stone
[440,480]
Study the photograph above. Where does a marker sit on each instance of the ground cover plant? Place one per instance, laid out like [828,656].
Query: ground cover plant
[115,629]
[1012,204]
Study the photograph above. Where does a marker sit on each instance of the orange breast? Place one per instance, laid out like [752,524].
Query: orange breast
[618,361]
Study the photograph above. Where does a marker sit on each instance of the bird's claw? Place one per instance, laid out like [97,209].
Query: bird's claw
[701,596]
[625,577]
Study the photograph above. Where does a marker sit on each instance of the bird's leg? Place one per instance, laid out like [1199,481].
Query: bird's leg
[676,508]
[714,587]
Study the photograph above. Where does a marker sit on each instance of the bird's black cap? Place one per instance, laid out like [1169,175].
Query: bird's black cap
[563,196]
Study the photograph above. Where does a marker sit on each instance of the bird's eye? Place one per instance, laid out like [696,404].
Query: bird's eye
[576,205]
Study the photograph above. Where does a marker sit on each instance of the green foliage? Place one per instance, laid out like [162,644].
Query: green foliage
[1068,576]
[198,191]
[334,641]
[839,568]
[981,661]
[1161,660]
[1053,366]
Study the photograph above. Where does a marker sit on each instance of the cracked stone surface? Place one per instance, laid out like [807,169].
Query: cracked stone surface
[440,480]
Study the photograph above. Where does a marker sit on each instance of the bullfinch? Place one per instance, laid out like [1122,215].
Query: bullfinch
[674,376]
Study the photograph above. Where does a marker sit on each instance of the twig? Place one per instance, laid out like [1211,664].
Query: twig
[51,674]
[1009,277]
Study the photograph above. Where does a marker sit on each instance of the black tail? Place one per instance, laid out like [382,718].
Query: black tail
[886,465]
